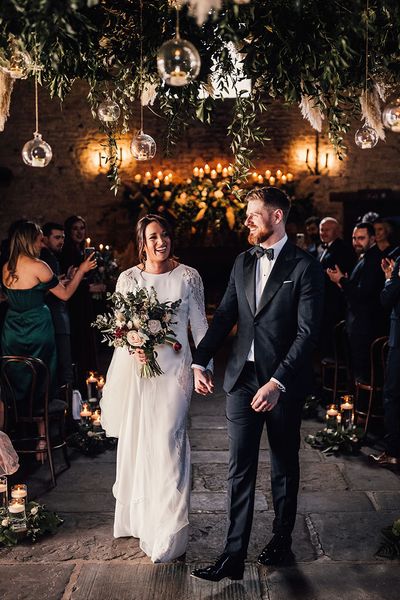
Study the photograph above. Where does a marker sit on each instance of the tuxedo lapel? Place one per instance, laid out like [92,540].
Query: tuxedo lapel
[285,263]
[249,276]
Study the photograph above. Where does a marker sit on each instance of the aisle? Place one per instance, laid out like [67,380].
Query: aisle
[343,504]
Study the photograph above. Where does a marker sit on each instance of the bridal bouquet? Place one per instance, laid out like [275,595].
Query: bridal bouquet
[139,320]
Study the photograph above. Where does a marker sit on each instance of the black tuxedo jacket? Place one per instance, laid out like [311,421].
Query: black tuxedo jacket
[362,290]
[338,253]
[284,326]
[390,298]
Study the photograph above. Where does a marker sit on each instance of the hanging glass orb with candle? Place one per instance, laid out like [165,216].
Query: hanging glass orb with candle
[391,115]
[366,137]
[37,152]
[143,146]
[108,111]
[178,61]
[18,62]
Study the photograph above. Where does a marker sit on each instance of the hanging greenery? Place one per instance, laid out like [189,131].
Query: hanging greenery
[308,52]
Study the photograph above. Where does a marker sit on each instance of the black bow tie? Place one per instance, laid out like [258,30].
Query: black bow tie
[325,246]
[268,252]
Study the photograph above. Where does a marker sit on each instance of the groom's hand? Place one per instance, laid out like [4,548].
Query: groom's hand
[203,383]
[266,397]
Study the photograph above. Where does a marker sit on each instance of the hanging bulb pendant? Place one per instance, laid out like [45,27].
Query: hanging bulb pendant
[366,137]
[391,115]
[143,146]
[178,62]
[108,111]
[37,152]
[19,62]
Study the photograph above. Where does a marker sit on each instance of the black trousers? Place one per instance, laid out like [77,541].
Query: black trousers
[391,403]
[245,427]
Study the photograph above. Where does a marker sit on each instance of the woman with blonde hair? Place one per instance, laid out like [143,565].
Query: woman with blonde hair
[28,328]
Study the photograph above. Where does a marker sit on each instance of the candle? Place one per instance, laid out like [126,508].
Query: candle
[283,179]
[137,178]
[201,173]
[88,240]
[178,77]
[278,174]
[17,515]
[267,174]
[332,411]
[225,172]
[3,491]
[346,411]
[213,174]
[260,179]
[101,382]
[272,180]
[196,171]
[147,175]
[19,491]
[96,415]
[254,176]
[230,170]
[331,415]
[160,174]
[289,177]
[107,248]
[207,169]
[85,412]
[101,247]
[38,162]
[91,385]
[156,183]
[219,168]
[16,507]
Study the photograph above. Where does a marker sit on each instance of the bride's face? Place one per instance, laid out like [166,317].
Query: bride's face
[158,243]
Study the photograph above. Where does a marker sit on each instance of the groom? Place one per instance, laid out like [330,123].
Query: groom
[275,296]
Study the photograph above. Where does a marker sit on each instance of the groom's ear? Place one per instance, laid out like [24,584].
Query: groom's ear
[278,212]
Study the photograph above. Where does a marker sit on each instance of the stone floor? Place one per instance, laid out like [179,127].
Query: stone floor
[343,504]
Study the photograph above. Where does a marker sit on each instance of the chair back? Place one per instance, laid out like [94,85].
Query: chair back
[24,382]
[378,353]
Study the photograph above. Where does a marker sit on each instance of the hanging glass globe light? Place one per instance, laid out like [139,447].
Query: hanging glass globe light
[143,147]
[366,137]
[18,62]
[178,62]
[108,111]
[391,115]
[37,152]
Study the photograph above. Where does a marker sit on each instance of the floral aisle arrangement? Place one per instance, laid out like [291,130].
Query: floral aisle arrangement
[337,441]
[139,320]
[39,522]
[390,544]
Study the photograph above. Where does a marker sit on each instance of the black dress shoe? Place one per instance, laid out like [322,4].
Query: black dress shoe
[277,552]
[226,566]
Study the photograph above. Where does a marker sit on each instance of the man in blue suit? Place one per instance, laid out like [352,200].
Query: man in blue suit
[275,296]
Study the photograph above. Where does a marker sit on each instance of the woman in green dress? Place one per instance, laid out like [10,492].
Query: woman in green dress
[28,327]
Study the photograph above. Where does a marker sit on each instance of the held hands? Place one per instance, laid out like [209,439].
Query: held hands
[335,275]
[203,383]
[266,397]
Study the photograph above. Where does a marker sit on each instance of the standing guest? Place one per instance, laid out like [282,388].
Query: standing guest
[313,241]
[390,298]
[364,315]
[383,233]
[53,241]
[149,416]
[334,253]
[28,328]
[275,296]
[81,310]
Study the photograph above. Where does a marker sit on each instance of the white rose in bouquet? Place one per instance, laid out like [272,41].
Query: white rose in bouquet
[136,323]
[135,339]
[119,318]
[154,326]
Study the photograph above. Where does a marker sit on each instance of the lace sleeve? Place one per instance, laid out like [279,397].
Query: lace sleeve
[125,281]
[197,311]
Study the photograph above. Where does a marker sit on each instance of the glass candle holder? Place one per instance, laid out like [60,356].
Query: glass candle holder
[17,514]
[3,492]
[85,414]
[91,386]
[331,415]
[19,491]
[347,412]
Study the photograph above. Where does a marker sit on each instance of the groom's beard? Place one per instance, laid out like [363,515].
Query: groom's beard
[259,237]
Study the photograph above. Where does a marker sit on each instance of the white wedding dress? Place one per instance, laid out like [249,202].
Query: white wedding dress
[149,417]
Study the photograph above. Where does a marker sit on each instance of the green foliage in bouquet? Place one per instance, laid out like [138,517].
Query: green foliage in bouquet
[337,441]
[40,522]
[390,543]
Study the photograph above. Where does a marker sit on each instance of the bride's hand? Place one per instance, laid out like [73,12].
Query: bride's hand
[140,356]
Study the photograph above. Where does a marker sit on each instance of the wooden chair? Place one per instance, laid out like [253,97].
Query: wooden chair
[335,371]
[35,408]
[368,397]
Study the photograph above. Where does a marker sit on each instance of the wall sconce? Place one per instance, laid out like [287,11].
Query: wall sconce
[103,159]
[317,169]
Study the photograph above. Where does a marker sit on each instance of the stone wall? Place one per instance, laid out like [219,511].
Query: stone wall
[73,182]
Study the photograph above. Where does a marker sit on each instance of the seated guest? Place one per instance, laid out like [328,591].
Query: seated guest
[313,241]
[390,297]
[53,241]
[334,253]
[364,315]
[28,328]
[383,234]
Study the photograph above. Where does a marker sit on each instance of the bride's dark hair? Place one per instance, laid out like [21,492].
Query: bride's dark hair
[141,234]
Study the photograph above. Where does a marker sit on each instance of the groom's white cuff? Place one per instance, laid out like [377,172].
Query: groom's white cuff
[281,387]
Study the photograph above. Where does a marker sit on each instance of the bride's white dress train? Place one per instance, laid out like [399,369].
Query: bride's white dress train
[149,417]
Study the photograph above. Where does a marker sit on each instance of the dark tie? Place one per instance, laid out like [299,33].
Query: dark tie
[325,246]
[268,252]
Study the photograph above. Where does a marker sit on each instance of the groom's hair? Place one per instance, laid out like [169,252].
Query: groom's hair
[273,198]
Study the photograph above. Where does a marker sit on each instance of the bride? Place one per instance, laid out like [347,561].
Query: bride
[149,415]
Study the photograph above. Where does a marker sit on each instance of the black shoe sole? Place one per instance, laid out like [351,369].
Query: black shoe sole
[232,578]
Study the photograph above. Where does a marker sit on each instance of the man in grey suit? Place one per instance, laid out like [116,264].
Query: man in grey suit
[275,296]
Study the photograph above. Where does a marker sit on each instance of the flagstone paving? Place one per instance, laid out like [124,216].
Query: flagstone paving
[344,502]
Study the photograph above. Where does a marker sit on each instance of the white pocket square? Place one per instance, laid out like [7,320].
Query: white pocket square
[288,281]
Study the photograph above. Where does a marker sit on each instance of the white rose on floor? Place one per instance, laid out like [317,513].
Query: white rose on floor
[34,510]
[5,523]
[134,339]
[154,326]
